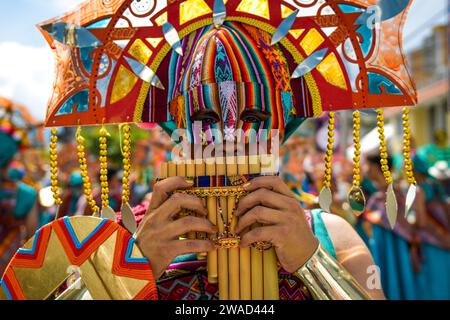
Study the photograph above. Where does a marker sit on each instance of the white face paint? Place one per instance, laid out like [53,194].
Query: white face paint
[142,6]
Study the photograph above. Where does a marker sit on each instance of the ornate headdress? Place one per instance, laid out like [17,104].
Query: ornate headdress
[148,61]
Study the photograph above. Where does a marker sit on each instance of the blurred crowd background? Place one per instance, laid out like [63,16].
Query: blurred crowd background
[417,248]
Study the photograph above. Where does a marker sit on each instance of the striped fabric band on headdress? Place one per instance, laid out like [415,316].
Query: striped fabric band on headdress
[230,69]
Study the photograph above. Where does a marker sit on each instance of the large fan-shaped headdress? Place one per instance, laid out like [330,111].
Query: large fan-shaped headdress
[114,57]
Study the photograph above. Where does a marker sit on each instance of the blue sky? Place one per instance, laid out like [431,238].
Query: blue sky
[29,81]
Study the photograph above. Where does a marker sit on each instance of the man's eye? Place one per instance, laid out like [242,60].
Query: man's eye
[254,116]
[207,117]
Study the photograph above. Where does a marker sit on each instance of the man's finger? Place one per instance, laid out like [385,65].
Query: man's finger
[272,183]
[268,234]
[182,247]
[258,214]
[190,224]
[163,189]
[179,202]
[265,198]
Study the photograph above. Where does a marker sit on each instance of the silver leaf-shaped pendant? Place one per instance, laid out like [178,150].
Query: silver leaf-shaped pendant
[220,12]
[284,27]
[391,206]
[72,35]
[145,73]
[128,219]
[108,213]
[309,64]
[410,197]
[57,212]
[325,199]
[357,200]
[172,37]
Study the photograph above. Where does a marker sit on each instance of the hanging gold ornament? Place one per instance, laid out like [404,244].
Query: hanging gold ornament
[84,174]
[128,219]
[107,211]
[356,197]
[54,170]
[325,196]
[408,165]
[391,201]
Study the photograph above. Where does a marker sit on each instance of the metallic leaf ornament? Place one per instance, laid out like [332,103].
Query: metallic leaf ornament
[108,213]
[172,37]
[391,206]
[284,28]
[325,199]
[72,35]
[357,200]
[128,219]
[382,11]
[410,197]
[309,64]
[220,12]
[145,73]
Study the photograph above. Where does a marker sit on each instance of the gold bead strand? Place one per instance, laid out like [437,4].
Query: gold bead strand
[128,219]
[83,168]
[356,197]
[383,148]
[408,165]
[104,167]
[54,169]
[325,197]
[126,152]
[391,201]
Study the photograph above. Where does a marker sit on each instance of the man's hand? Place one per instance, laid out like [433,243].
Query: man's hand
[271,203]
[158,235]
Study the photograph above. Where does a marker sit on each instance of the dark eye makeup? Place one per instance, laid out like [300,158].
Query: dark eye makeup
[207,117]
[254,116]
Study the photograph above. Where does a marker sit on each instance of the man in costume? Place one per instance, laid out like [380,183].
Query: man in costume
[245,69]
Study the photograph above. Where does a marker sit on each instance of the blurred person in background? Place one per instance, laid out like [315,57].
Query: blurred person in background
[413,263]
[18,201]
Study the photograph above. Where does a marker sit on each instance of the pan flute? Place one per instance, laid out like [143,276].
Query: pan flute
[241,273]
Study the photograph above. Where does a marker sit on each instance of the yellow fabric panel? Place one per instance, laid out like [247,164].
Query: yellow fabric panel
[140,51]
[256,7]
[311,41]
[124,83]
[191,9]
[332,72]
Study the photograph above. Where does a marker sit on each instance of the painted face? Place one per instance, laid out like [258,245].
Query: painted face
[142,6]
[230,78]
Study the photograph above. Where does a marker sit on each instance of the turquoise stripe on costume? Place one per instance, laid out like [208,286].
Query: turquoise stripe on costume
[321,232]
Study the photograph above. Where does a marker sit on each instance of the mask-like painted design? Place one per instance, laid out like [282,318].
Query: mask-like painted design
[230,78]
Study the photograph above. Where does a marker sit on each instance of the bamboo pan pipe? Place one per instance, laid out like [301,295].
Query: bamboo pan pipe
[256,256]
[222,215]
[211,204]
[244,253]
[233,253]
[271,290]
[241,273]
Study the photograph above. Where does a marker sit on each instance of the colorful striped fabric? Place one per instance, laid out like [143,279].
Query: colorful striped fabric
[231,69]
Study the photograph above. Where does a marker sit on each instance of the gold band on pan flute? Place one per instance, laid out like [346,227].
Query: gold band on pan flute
[327,279]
